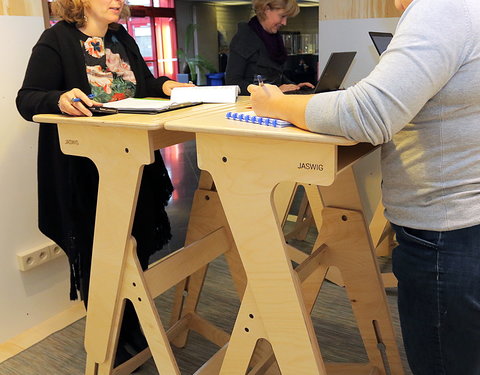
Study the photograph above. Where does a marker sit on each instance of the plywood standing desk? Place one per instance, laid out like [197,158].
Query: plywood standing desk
[120,145]
[247,162]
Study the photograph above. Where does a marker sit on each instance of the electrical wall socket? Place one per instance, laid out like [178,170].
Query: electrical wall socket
[32,258]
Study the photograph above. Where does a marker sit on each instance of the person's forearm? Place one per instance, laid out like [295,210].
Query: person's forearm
[291,108]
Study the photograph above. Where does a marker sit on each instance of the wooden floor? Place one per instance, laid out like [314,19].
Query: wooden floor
[62,353]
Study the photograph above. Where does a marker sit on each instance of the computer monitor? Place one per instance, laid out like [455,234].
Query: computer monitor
[332,76]
[335,71]
[380,40]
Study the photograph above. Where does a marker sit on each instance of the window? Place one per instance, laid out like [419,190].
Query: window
[152,24]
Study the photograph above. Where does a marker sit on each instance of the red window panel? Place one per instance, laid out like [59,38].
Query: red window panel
[164,3]
[165,33]
[160,43]
[154,3]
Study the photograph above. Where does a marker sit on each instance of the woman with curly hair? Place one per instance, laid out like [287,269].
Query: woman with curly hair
[87,53]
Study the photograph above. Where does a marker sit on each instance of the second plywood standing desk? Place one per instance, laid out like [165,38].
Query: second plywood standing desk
[247,162]
[120,145]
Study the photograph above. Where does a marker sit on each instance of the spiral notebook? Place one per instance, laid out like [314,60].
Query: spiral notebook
[252,118]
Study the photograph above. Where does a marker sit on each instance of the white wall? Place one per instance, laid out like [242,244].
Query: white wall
[206,37]
[27,298]
[352,35]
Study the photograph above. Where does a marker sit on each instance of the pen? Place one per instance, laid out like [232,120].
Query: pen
[260,80]
[90,96]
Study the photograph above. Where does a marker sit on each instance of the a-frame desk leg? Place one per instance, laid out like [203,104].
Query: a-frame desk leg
[119,155]
[134,287]
[206,216]
[344,225]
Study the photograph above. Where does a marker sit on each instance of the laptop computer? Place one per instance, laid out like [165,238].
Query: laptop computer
[380,40]
[333,74]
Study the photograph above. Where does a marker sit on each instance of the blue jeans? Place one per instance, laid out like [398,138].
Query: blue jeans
[439,299]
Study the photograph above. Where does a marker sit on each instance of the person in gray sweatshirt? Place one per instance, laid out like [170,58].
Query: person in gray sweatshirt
[422,104]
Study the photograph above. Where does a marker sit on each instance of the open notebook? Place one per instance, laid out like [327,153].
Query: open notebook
[181,97]
[141,106]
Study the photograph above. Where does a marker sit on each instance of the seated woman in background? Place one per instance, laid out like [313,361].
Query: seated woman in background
[422,103]
[258,49]
[88,52]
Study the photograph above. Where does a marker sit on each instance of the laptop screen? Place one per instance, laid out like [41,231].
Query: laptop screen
[380,40]
[335,71]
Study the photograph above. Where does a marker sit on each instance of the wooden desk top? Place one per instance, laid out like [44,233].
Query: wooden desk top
[215,122]
[134,121]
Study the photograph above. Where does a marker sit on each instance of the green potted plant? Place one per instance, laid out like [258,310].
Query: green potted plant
[192,63]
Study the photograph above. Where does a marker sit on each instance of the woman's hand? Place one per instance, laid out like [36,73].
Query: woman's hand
[169,85]
[306,84]
[289,87]
[69,105]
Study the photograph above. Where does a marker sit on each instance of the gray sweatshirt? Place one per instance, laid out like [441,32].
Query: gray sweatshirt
[429,79]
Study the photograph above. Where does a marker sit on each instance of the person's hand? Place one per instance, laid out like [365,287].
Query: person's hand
[69,105]
[289,87]
[306,84]
[270,101]
[264,98]
[169,85]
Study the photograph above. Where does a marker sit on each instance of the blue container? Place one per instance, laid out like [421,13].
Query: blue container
[215,79]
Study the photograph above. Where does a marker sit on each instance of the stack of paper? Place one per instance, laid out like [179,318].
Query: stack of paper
[132,104]
[206,94]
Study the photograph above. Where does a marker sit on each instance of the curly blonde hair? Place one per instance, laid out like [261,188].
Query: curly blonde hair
[290,6]
[74,11]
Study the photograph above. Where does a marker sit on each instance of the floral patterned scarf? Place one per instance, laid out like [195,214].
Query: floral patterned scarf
[109,73]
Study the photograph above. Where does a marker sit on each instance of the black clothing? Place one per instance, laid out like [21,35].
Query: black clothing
[273,42]
[248,58]
[67,185]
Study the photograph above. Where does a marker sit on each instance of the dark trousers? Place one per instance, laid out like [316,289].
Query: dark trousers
[439,299]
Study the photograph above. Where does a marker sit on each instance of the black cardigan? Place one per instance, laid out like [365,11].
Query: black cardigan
[68,185]
[249,57]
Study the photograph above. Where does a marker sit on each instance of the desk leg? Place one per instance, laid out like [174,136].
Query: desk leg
[206,216]
[351,251]
[119,154]
[272,306]
[135,288]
